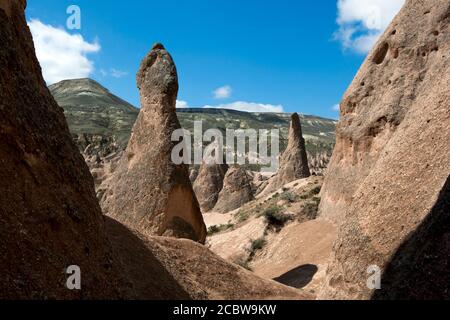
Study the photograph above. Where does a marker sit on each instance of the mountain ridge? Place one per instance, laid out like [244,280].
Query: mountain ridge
[90,108]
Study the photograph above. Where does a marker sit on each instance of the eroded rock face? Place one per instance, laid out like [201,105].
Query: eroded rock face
[208,184]
[294,160]
[49,216]
[148,191]
[391,161]
[237,190]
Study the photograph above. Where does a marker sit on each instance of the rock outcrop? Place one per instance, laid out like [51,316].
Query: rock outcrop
[50,219]
[167,268]
[387,179]
[294,160]
[148,191]
[208,184]
[49,216]
[237,190]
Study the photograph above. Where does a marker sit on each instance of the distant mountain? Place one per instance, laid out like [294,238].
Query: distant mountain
[92,109]
[101,122]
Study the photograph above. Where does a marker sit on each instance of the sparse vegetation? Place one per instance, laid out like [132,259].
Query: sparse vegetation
[311,193]
[311,208]
[242,216]
[244,263]
[257,244]
[271,211]
[217,229]
[275,218]
[315,191]
[288,196]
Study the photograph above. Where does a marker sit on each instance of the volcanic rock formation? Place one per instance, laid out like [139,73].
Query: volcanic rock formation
[237,190]
[148,191]
[294,160]
[208,184]
[49,216]
[387,177]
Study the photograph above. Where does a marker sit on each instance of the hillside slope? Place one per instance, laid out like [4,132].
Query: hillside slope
[98,117]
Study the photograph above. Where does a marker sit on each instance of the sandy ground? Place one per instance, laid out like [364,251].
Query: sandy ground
[298,255]
[236,243]
[216,219]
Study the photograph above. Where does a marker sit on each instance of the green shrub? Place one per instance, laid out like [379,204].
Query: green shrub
[315,191]
[256,245]
[310,209]
[272,211]
[287,196]
[216,229]
[242,216]
[275,218]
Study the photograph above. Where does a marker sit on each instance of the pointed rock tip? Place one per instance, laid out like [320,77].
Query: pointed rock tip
[158,46]
[295,117]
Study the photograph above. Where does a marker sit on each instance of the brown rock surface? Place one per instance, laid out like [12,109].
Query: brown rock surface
[148,191]
[388,171]
[208,184]
[237,190]
[50,219]
[166,268]
[294,160]
[49,216]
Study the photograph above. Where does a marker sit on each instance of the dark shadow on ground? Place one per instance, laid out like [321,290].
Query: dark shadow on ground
[149,279]
[420,269]
[298,277]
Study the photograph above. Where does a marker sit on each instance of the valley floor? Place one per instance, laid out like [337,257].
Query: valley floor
[277,236]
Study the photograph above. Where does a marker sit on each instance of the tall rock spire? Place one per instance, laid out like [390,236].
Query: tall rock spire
[148,191]
[294,160]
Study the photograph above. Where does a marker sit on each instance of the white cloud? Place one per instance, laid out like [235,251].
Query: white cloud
[238,105]
[336,107]
[118,73]
[182,104]
[223,92]
[249,107]
[113,73]
[62,55]
[361,22]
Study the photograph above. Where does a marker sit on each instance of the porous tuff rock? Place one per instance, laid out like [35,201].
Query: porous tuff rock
[294,160]
[386,184]
[237,190]
[49,216]
[208,184]
[148,191]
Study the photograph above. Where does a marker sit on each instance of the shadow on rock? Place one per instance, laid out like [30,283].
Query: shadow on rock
[420,269]
[149,279]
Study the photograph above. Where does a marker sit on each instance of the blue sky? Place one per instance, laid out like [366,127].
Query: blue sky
[291,55]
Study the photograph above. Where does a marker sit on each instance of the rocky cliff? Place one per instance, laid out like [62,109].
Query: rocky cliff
[386,182]
[49,216]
